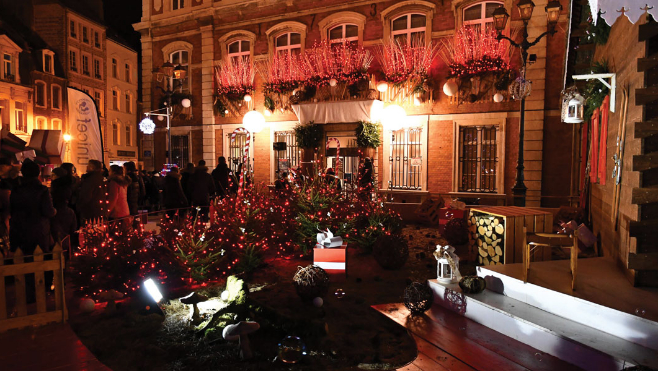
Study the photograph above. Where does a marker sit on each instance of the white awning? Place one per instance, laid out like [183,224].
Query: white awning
[339,112]
[633,9]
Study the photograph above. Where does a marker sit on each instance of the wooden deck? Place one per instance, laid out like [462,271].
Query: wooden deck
[448,341]
[48,348]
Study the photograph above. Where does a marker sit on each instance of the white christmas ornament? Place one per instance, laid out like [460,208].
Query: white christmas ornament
[498,97]
[186,103]
[327,239]
[382,86]
[450,88]
[147,126]
[247,98]
[333,82]
[318,302]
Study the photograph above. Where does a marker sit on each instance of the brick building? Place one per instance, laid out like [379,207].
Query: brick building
[199,33]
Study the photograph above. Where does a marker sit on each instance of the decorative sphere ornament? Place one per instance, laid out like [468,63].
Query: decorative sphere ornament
[318,302]
[333,82]
[418,298]
[147,126]
[186,103]
[450,88]
[247,98]
[160,118]
[382,86]
[87,305]
[498,97]
[339,294]
[291,349]
[226,112]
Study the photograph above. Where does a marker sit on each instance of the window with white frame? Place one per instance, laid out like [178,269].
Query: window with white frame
[57,124]
[98,69]
[129,103]
[181,57]
[98,98]
[288,43]
[344,33]
[40,94]
[48,62]
[41,123]
[406,159]
[115,99]
[128,72]
[4,115]
[8,67]
[478,159]
[480,15]
[73,60]
[72,30]
[239,49]
[20,117]
[115,68]
[128,135]
[177,4]
[85,65]
[56,93]
[409,29]
[291,157]
[115,133]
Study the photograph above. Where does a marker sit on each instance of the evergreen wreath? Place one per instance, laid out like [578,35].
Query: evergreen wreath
[368,135]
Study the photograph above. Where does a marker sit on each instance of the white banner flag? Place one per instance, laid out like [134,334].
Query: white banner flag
[84,126]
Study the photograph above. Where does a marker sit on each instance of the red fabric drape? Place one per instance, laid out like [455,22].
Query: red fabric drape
[583,156]
[593,172]
[603,143]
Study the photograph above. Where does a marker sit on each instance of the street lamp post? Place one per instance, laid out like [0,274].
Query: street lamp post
[177,74]
[500,17]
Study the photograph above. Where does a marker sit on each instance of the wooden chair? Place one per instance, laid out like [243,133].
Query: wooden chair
[548,239]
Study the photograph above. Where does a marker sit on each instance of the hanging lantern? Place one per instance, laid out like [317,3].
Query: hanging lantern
[572,105]
[520,88]
[450,88]
[333,82]
[498,97]
[448,264]
[444,272]
[382,86]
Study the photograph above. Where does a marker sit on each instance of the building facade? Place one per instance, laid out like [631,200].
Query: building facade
[455,146]
[121,72]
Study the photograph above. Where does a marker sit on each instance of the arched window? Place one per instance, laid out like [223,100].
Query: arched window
[409,28]
[239,49]
[128,135]
[41,123]
[480,15]
[290,43]
[115,133]
[57,124]
[344,33]
[40,93]
[181,57]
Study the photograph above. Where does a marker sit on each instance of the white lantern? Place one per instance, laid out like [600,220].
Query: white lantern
[253,121]
[382,86]
[394,117]
[147,126]
[247,98]
[333,82]
[450,88]
[161,118]
[186,103]
[444,271]
[574,111]
[498,97]
[267,112]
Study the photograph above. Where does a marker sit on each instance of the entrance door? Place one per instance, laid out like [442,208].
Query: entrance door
[348,170]
[180,150]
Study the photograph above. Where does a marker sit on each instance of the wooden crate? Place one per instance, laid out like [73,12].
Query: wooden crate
[494,247]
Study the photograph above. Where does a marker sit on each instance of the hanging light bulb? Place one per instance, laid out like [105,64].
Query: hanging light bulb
[382,86]
[394,117]
[247,98]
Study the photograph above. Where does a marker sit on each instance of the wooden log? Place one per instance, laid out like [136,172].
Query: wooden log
[39,282]
[3,297]
[19,284]
[500,229]
[646,95]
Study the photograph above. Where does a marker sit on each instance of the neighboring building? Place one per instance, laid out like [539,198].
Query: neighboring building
[122,112]
[15,91]
[433,158]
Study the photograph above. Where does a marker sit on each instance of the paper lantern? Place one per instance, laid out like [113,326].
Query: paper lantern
[498,97]
[186,102]
[444,271]
[253,121]
[394,117]
[147,126]
[574,111]
[333,82]
[450,88]
[247,98]
[382,86]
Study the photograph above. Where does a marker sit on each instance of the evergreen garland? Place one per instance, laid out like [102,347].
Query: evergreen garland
[596,33]
[368,135]
[595,90]
[308,135]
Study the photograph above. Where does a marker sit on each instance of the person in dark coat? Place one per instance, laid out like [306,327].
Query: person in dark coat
[186,174]
[31,211]
[65,224]
[5,192]
[174,199]
[365,179]
[202,187]
[220,175]
[331,179]
[91,198]
[282,184]
[136,189]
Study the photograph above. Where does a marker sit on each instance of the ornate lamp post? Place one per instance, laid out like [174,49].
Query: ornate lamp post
[175,74]
[500,17]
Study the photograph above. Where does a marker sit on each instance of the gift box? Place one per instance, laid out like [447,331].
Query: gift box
[333,260]
[48,145]
[10,144]
[327,239]
[447,213]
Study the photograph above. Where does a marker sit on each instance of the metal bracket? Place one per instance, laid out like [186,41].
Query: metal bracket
[601,76]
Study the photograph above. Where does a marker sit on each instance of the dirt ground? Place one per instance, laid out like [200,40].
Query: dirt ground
[343,334]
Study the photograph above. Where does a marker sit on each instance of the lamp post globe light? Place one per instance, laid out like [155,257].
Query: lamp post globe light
[500,17]
[173,77]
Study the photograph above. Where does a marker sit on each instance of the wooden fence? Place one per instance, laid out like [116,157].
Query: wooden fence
[18,314]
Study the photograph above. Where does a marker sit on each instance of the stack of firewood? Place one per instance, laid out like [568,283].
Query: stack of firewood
[487,235]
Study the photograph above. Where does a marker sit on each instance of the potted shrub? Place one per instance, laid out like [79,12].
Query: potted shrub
[368,138]
[309,137]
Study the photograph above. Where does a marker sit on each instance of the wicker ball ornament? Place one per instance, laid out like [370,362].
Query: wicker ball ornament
[418,298]
[391,251]
[311,282]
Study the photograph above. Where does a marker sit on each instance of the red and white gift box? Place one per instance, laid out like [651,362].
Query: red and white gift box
[333,260]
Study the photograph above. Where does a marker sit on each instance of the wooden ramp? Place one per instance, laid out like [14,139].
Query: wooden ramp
[448,341]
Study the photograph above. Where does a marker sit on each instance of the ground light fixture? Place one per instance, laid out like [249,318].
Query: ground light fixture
[153,290]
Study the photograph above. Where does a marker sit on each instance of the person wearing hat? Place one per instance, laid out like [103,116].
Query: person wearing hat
[66,223]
